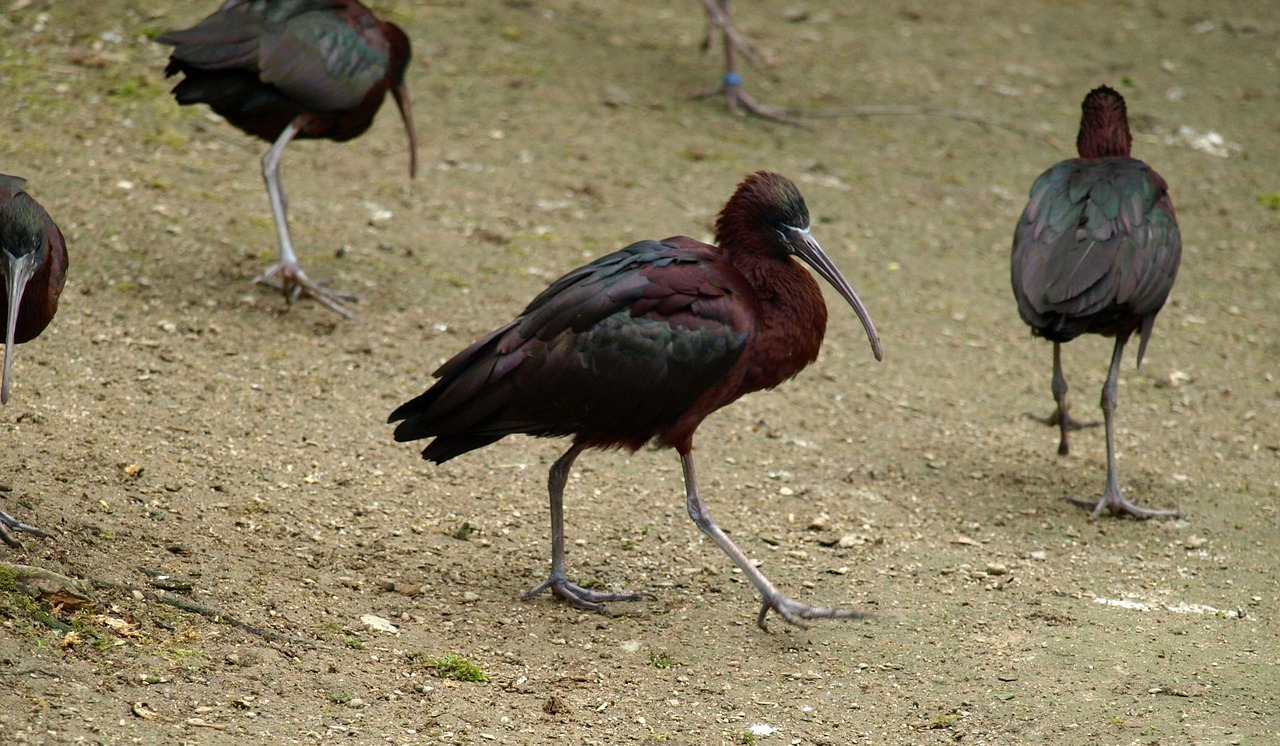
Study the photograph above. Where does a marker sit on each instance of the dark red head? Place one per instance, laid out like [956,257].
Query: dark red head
[766,216]
[1104,125]
[761,208]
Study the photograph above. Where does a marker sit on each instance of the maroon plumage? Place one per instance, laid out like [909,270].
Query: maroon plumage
[641,345]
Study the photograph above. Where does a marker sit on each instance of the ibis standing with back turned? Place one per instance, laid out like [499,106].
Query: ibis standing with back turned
[1096,252]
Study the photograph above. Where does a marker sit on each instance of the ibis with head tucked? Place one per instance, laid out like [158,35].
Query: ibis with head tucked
[641,345]
[286,69]
[1096,251]
[33,261]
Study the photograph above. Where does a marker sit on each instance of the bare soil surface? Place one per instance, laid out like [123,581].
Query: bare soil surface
[268,566]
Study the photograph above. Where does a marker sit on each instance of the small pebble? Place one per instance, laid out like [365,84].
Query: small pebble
[378,623]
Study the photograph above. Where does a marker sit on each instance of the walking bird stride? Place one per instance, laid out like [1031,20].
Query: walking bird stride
[33,262]
[642,345]
[1096,252]
[285,69]
[718,19]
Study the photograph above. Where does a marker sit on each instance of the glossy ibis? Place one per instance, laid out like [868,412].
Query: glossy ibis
[718,19]
[285,69]
[642,345]
[1096,251]
[33,261]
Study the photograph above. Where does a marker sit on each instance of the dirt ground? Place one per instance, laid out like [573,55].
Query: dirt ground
[268,566]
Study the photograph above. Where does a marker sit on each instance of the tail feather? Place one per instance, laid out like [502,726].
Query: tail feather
[446,447]
[462,409]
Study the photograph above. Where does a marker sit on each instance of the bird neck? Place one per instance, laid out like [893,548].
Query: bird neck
[399,52]
[1104,130]
[792,317]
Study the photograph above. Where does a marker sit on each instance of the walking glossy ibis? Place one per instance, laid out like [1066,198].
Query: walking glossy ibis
[33,262]
[285,69]
[718,19]
[1096,251]
[642,345]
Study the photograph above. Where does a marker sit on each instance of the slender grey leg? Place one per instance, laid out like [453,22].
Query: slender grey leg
[1060,398]
[9,524]
[731,86]
[718,20]
[293,281]
[558,581]
[1112,498]
[1060,417]
[792,611]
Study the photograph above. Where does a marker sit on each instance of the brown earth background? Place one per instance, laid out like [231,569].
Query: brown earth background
[183,434]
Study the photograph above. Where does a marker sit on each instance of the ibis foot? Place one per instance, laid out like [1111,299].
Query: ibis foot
[295,283]
[1116,502]
[1064,422]
[579,597]
[796,613]
[740,101]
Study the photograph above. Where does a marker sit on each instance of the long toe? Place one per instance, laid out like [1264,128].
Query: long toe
[765,111]
[740,101]
[289,278]
[579,597]
[794,612]
[1071,423]
[1066,423]
[9,524]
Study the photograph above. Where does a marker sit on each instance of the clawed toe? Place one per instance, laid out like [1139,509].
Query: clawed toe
[1119,504]
[9,524]
[794,612]
[1053,420]
[740,101]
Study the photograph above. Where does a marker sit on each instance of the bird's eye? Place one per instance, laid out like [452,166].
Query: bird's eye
[788,234]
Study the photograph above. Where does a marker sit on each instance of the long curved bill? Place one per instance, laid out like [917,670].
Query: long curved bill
[808,249]
[17,271]
[401,93]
